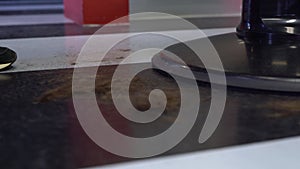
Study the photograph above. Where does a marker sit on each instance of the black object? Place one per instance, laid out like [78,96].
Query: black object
[7,57]
[270,19]
[263,54]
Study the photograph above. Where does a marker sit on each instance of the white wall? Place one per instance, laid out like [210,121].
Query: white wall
[187,7]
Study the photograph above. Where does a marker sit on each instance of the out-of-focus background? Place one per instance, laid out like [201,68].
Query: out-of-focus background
[38,124]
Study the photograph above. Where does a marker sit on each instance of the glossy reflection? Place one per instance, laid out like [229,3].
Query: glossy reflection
[274,59]
[254,58]
[258,58]
[258,64]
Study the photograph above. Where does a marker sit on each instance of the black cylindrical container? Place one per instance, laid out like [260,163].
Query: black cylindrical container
[270,19]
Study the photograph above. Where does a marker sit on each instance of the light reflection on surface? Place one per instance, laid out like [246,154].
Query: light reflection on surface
[3,66]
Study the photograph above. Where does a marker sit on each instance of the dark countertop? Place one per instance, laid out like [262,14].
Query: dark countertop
[39,128]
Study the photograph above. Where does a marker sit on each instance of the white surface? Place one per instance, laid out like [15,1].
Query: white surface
[10,20]
[278,154]
[61,52]
[188,8]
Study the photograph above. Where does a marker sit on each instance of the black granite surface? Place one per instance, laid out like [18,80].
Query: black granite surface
[20,7]
[39,128]
[31,12]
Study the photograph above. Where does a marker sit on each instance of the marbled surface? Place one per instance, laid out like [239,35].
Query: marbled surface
[39,128]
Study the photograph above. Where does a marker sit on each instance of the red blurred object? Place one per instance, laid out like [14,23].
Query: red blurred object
[96,11]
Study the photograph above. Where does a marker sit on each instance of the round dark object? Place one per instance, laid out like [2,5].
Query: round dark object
[7,57]
[255,65]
